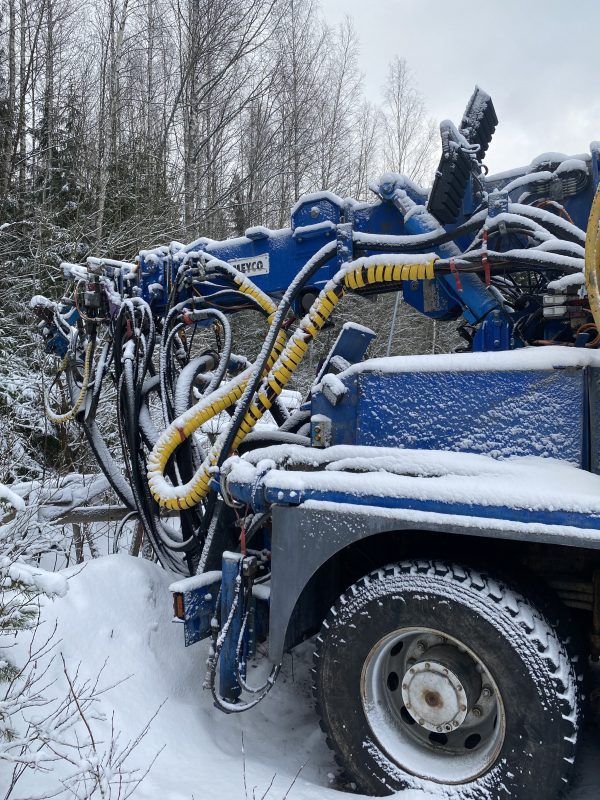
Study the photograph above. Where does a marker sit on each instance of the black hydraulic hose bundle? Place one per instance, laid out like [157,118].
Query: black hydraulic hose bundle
[522,218]
[311,267]
[320,258]
[134,338]
[136,383]
[515,261]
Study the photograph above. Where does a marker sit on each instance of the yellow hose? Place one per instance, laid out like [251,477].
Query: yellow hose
[592,259]
[60,419]
[191,493]
[208,408]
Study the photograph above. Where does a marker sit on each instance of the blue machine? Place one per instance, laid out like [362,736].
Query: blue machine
[436,518]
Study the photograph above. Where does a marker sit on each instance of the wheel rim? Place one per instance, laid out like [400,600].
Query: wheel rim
[433,706]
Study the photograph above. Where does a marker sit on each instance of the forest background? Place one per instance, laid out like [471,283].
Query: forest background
[125,124]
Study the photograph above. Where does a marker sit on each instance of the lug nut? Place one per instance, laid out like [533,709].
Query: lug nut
[476,711]
[487,692]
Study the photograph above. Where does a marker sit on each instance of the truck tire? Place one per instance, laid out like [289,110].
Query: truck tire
[429,673]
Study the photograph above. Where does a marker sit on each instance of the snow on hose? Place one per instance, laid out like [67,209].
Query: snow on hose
[592,259]
[353,275]
[61,419]
[191,493]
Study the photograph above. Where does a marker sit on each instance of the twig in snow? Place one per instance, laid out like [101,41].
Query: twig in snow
[269,787]
[291,786]
[244,767]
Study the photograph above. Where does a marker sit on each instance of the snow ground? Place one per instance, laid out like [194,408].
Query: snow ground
[119,609]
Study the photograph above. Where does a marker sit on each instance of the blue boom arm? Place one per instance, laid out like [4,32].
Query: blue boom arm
[447,221]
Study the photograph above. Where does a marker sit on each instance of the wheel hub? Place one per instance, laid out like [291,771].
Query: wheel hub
[430,701]
[434,696]
[439,689]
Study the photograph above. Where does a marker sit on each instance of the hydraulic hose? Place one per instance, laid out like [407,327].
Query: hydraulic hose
[185,382]
[520,260]
[355,275]
[225,355]
[310,268]
[592,259]
[188,316]
[243,284]
[61,419]
[411,243]
[557,226]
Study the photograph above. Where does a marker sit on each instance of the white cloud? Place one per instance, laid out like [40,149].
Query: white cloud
[537,58]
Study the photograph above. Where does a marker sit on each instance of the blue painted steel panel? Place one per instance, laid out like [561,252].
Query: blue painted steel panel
[577,520]
[495,413]
[199,609]
[261,497]
[228,682]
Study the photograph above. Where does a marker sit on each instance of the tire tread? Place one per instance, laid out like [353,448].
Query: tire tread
[537,631]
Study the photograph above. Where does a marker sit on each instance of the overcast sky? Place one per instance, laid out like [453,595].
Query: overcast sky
[539,60]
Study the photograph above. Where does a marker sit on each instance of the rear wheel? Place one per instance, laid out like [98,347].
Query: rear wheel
[429,674]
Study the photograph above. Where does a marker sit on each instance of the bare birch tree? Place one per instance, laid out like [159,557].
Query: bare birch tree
[409,134]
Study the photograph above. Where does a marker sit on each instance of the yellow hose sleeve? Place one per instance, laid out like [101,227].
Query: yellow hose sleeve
[247,287]
[61,419]
[280,371]
[592,258]
[205,410]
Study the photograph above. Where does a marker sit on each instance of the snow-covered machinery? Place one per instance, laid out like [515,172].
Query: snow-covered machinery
[436,517]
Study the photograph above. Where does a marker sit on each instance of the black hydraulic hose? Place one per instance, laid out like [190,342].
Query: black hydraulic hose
[533,232]
[225,355]
[168,334]
[266,687]
[185,381]
[148,429]
[224,270]
[320,258]
[130,382]
[246,301]
[144,501]
[279,412]
[107,464]
[515,260]
[119,531]
[557,226]
[165,366]
[418,242]
[166,372]
[218,640]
